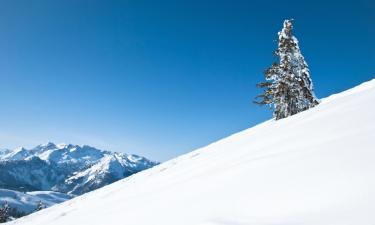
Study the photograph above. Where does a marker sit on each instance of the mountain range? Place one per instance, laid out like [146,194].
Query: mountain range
[66,168]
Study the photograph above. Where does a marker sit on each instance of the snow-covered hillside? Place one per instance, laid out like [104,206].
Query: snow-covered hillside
[316,167]
[65,168]
[26,203]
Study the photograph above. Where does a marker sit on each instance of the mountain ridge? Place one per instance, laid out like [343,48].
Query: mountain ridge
[52,167]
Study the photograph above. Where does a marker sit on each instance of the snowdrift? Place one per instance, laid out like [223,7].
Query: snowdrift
[316,167]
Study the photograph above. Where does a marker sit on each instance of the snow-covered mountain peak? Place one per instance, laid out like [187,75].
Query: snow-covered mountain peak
[18,153]
[62,145]
[19,149]
[63,167]
[47,145]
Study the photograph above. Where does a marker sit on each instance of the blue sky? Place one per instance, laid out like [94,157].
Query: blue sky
[161,79]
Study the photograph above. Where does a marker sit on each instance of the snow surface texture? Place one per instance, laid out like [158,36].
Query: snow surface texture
[65,168]
[316,167]
[27,202]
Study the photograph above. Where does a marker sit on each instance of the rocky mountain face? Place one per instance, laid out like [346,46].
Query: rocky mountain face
[66,168]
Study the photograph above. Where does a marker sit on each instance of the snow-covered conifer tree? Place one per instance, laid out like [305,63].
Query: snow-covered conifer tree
[288,86]
[4,213]
[40,206]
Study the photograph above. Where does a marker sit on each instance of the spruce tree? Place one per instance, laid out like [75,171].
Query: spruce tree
[40,206]
[288,88]
[4,213]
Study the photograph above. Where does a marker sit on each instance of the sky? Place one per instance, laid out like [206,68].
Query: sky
[162,78]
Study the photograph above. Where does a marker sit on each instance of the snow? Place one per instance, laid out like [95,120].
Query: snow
[27,202]
[17,154]
[51,196]
[316,167]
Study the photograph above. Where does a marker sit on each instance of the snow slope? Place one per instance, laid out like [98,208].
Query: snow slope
[27,202]
[316,167]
